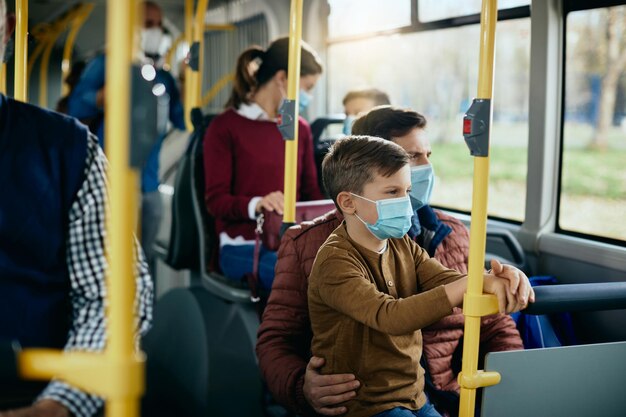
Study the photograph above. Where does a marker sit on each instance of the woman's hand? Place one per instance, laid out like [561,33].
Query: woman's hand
[272,202]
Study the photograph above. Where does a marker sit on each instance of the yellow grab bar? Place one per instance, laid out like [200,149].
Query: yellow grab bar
[123,184]
[21,50]
[188,72]
[198,37]
[33,58]
[78,22]
[216,88]
[43,69]
[169,56]
[117,373]
[3,78]
[476,304]
[291,146]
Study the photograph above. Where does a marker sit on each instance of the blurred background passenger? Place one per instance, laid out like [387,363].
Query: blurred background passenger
[244,154]
[358,102]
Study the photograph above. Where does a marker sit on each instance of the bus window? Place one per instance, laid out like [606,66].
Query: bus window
[593,177]
[433,10]
[352,17]
[435,73]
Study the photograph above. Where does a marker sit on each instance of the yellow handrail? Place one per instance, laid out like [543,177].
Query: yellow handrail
[198,37]
[123,184]
[47,35]
[32,58]
[212,26]
[476,304]
[169,56]
[188,72]
[291,146]
[77,23]
[118,373]
[21,50]
[216,88]
[43,69]
[3,78]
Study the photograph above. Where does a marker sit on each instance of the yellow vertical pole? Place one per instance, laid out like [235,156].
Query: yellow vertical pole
[43,70]
[3,78]
[68,48]
[188,72]
[21,50]
[470,378]
[32,58]
[198,37]
[123,206]
[291,146]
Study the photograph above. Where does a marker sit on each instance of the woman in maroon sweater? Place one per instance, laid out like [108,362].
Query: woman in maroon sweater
[244,154]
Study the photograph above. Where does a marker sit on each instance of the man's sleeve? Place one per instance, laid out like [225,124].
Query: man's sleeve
[284,337]
[87,266]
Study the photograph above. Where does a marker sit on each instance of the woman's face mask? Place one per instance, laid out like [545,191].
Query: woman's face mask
[394,217]
[304,100]
[422,182]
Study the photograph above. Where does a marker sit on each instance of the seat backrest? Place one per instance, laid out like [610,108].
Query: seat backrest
[567,381]
[185,241]
[321,144]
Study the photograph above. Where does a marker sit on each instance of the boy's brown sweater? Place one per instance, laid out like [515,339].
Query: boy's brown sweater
[367,310]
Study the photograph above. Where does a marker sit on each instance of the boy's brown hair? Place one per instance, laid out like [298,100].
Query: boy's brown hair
[353,161]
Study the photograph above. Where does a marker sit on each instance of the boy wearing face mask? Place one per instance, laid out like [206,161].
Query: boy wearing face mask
[284,339]
[372,288]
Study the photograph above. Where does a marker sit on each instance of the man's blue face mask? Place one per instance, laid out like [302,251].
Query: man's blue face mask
[394,217]
[304,100]
[422,182]
[347,124]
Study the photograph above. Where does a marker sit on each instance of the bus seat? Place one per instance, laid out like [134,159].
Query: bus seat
[200,357]
[196,221]
[585,380]
[173,149]
[183,248]
[503,246]
[322,143]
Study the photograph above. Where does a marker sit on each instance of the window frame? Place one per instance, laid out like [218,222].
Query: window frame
[568,7]
[513,13]
[519,12]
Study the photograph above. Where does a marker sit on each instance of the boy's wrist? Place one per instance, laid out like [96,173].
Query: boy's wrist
[455,291]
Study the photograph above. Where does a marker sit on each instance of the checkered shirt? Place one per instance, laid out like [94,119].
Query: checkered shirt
[87,266]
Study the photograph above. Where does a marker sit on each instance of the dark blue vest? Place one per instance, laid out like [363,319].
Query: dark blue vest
[42,163]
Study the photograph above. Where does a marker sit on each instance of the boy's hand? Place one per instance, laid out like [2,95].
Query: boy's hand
[510,285]
[518,282]
[325,393]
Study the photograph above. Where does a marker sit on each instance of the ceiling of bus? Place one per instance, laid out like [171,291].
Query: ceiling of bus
[91,36]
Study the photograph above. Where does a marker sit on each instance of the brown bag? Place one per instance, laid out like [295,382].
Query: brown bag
[271,222]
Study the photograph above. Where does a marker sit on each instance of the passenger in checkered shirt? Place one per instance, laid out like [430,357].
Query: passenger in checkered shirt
[31,134]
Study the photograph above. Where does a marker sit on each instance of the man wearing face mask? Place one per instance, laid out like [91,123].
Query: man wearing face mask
[284,338]
[86,103]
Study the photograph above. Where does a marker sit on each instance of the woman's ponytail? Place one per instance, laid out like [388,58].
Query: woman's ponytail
[245,81]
